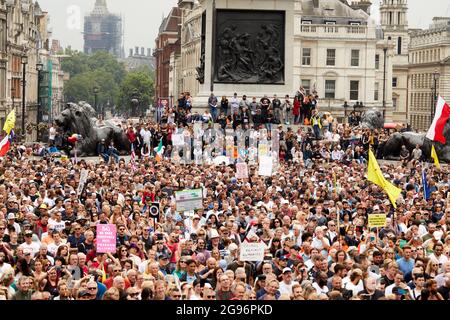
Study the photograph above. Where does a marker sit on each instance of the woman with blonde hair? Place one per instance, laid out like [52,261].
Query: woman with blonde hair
[117,216]
[432,269]
[180,268]
[112,294]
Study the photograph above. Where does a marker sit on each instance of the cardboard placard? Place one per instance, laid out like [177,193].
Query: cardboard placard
[106,238]
[265,166]
[178,140]
[241,170]
[252,251]
[189,199]
[377,220]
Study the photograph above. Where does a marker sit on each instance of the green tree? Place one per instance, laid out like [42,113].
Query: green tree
[139,81]
[100,69]
[81,87]
[76,64]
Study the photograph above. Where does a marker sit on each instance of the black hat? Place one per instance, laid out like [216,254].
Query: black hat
[83,294]
[163,256]
[261,277]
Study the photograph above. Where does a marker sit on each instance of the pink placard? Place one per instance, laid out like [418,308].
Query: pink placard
[241,170]
[106,238]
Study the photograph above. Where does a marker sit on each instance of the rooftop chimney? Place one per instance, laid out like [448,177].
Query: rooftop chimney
[149,52]
[364,5]
[142,51]
[131,52]
[315,4]
[136,51]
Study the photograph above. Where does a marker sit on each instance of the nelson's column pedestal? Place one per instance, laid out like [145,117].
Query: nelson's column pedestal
[244,49]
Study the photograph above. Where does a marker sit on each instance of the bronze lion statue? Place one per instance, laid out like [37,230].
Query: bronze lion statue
[80,119]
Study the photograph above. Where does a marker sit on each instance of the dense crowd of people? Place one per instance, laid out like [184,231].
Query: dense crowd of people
[245,111]
[312,216]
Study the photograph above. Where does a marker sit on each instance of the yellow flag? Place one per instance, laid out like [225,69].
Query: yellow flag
[435,157]
[10,122]
[375,175]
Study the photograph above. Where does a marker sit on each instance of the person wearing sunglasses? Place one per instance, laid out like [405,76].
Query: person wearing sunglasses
[208,294]
[175,294]
[133,294]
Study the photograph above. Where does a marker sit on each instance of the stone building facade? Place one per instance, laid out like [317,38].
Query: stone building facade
[137,59]
[337,52]
[167,42]
[24,33]
[394,24]
[429,56]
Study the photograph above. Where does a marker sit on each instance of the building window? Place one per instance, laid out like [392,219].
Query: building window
[399,45]
[306,84]
[331,57]
[394,82]
[330,89]
[306,57]
[376,94]
[355,58]
[16,88]
[306,21]
[394,103]
[354,90]
[377,62]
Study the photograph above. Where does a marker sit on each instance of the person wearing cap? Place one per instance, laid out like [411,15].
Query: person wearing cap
[287,283]
[163,263]
[11,217]
[215,241]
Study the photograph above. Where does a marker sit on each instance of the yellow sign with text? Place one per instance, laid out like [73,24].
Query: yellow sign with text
[377,220]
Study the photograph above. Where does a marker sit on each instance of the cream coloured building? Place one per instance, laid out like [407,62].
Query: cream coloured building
[394,24]
[335,53]
[429,56]
[332,47]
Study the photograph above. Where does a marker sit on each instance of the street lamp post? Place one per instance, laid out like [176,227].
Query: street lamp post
[345,111]
[433,106]
[24,64]
[135,102]
[384,82]
[96,90]
[13,94]
[39,67]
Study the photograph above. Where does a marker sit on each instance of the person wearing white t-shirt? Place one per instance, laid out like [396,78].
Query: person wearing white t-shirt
[321,283]
[29,245]
[146,137]
[438,255]
[354,282]
[56,222]
[52,135]
[4,267]
[398,282]
[287,283]
[320,242]
[57,241]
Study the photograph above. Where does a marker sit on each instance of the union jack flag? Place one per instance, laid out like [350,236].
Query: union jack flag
[133,158]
